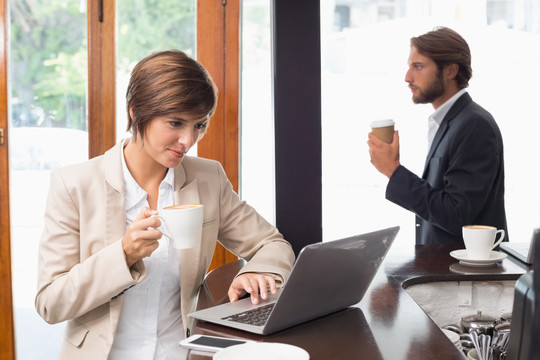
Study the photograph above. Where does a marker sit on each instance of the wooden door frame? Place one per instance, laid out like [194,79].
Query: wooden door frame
[7,337]
[101,76]
[218,49]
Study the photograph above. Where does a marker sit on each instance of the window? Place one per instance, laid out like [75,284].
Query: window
[139,23]
[363,70]
[257,126]
[49,106]
[48,128]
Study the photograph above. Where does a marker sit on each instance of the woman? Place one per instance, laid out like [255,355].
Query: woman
[105,267]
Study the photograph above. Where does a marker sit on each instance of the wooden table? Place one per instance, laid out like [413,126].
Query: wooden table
[386,324]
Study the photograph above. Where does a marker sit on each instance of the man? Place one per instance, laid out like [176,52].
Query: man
[463,179]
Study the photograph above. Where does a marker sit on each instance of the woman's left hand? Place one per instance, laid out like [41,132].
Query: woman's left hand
[253,284]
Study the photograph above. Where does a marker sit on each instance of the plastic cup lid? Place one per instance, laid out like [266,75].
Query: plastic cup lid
[382,123]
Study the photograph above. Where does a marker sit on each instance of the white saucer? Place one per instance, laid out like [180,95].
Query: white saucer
[262,351]
[494,257]
[465,269]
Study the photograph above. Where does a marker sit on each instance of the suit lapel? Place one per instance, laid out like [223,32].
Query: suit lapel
[436,141]
[452,113]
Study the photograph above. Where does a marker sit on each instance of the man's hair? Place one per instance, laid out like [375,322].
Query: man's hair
[165,83]
[445,46]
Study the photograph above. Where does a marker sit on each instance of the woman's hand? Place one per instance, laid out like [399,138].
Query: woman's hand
[253,284]
[139,241]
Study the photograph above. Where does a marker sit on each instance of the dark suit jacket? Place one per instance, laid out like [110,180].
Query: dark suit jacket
[463,179]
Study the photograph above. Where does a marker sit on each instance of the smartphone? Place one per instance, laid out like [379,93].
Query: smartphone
[210,343]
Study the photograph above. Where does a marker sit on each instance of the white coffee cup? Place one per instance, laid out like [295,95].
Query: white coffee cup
[182,224]
[480,240]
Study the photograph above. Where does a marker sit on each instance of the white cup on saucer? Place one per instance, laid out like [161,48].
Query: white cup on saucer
[480,240]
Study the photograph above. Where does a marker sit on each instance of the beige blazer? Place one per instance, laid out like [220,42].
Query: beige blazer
[82,271]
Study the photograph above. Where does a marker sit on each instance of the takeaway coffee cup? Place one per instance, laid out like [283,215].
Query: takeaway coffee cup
[480,240]
[182,224]
[384,130]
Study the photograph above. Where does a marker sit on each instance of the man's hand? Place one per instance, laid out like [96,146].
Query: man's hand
[253,284]
[385,157]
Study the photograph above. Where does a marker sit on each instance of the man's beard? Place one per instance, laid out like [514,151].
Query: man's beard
[432,92]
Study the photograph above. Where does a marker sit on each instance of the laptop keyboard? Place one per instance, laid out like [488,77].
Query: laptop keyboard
[255,317]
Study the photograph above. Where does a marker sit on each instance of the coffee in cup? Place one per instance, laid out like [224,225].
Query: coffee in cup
[384,130]
[182,224]
[480,240]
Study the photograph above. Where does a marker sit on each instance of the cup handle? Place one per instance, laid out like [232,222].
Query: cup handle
[501,231]
[163,224]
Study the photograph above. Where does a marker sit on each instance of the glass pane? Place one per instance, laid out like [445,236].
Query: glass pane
[48,128]
[257,126]
[365,46]
[144,27]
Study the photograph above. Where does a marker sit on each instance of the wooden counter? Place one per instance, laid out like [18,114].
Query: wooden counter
[386,324]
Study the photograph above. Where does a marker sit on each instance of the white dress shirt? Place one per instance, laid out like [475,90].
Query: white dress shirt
[150,324]
[435,119]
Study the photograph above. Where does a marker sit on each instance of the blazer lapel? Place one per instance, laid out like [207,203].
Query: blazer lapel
[187,193]
[115,211]
[115,215]
[452,113]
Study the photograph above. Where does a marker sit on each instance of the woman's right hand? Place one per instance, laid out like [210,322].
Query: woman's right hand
[139,241]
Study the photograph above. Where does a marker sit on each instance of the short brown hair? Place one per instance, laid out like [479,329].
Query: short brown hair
[445,46]
[165,83]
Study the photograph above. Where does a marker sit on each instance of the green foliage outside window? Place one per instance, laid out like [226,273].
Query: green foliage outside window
[48,54]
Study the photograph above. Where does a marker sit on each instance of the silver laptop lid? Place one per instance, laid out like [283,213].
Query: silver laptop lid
[521,250]
[325,278]
[330,276]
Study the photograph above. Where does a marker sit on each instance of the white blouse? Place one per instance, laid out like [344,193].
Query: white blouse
[150,324]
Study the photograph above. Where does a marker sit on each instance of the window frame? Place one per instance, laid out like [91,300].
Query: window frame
[7,340]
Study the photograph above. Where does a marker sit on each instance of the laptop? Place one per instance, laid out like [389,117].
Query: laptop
[326,277]
[523,251]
